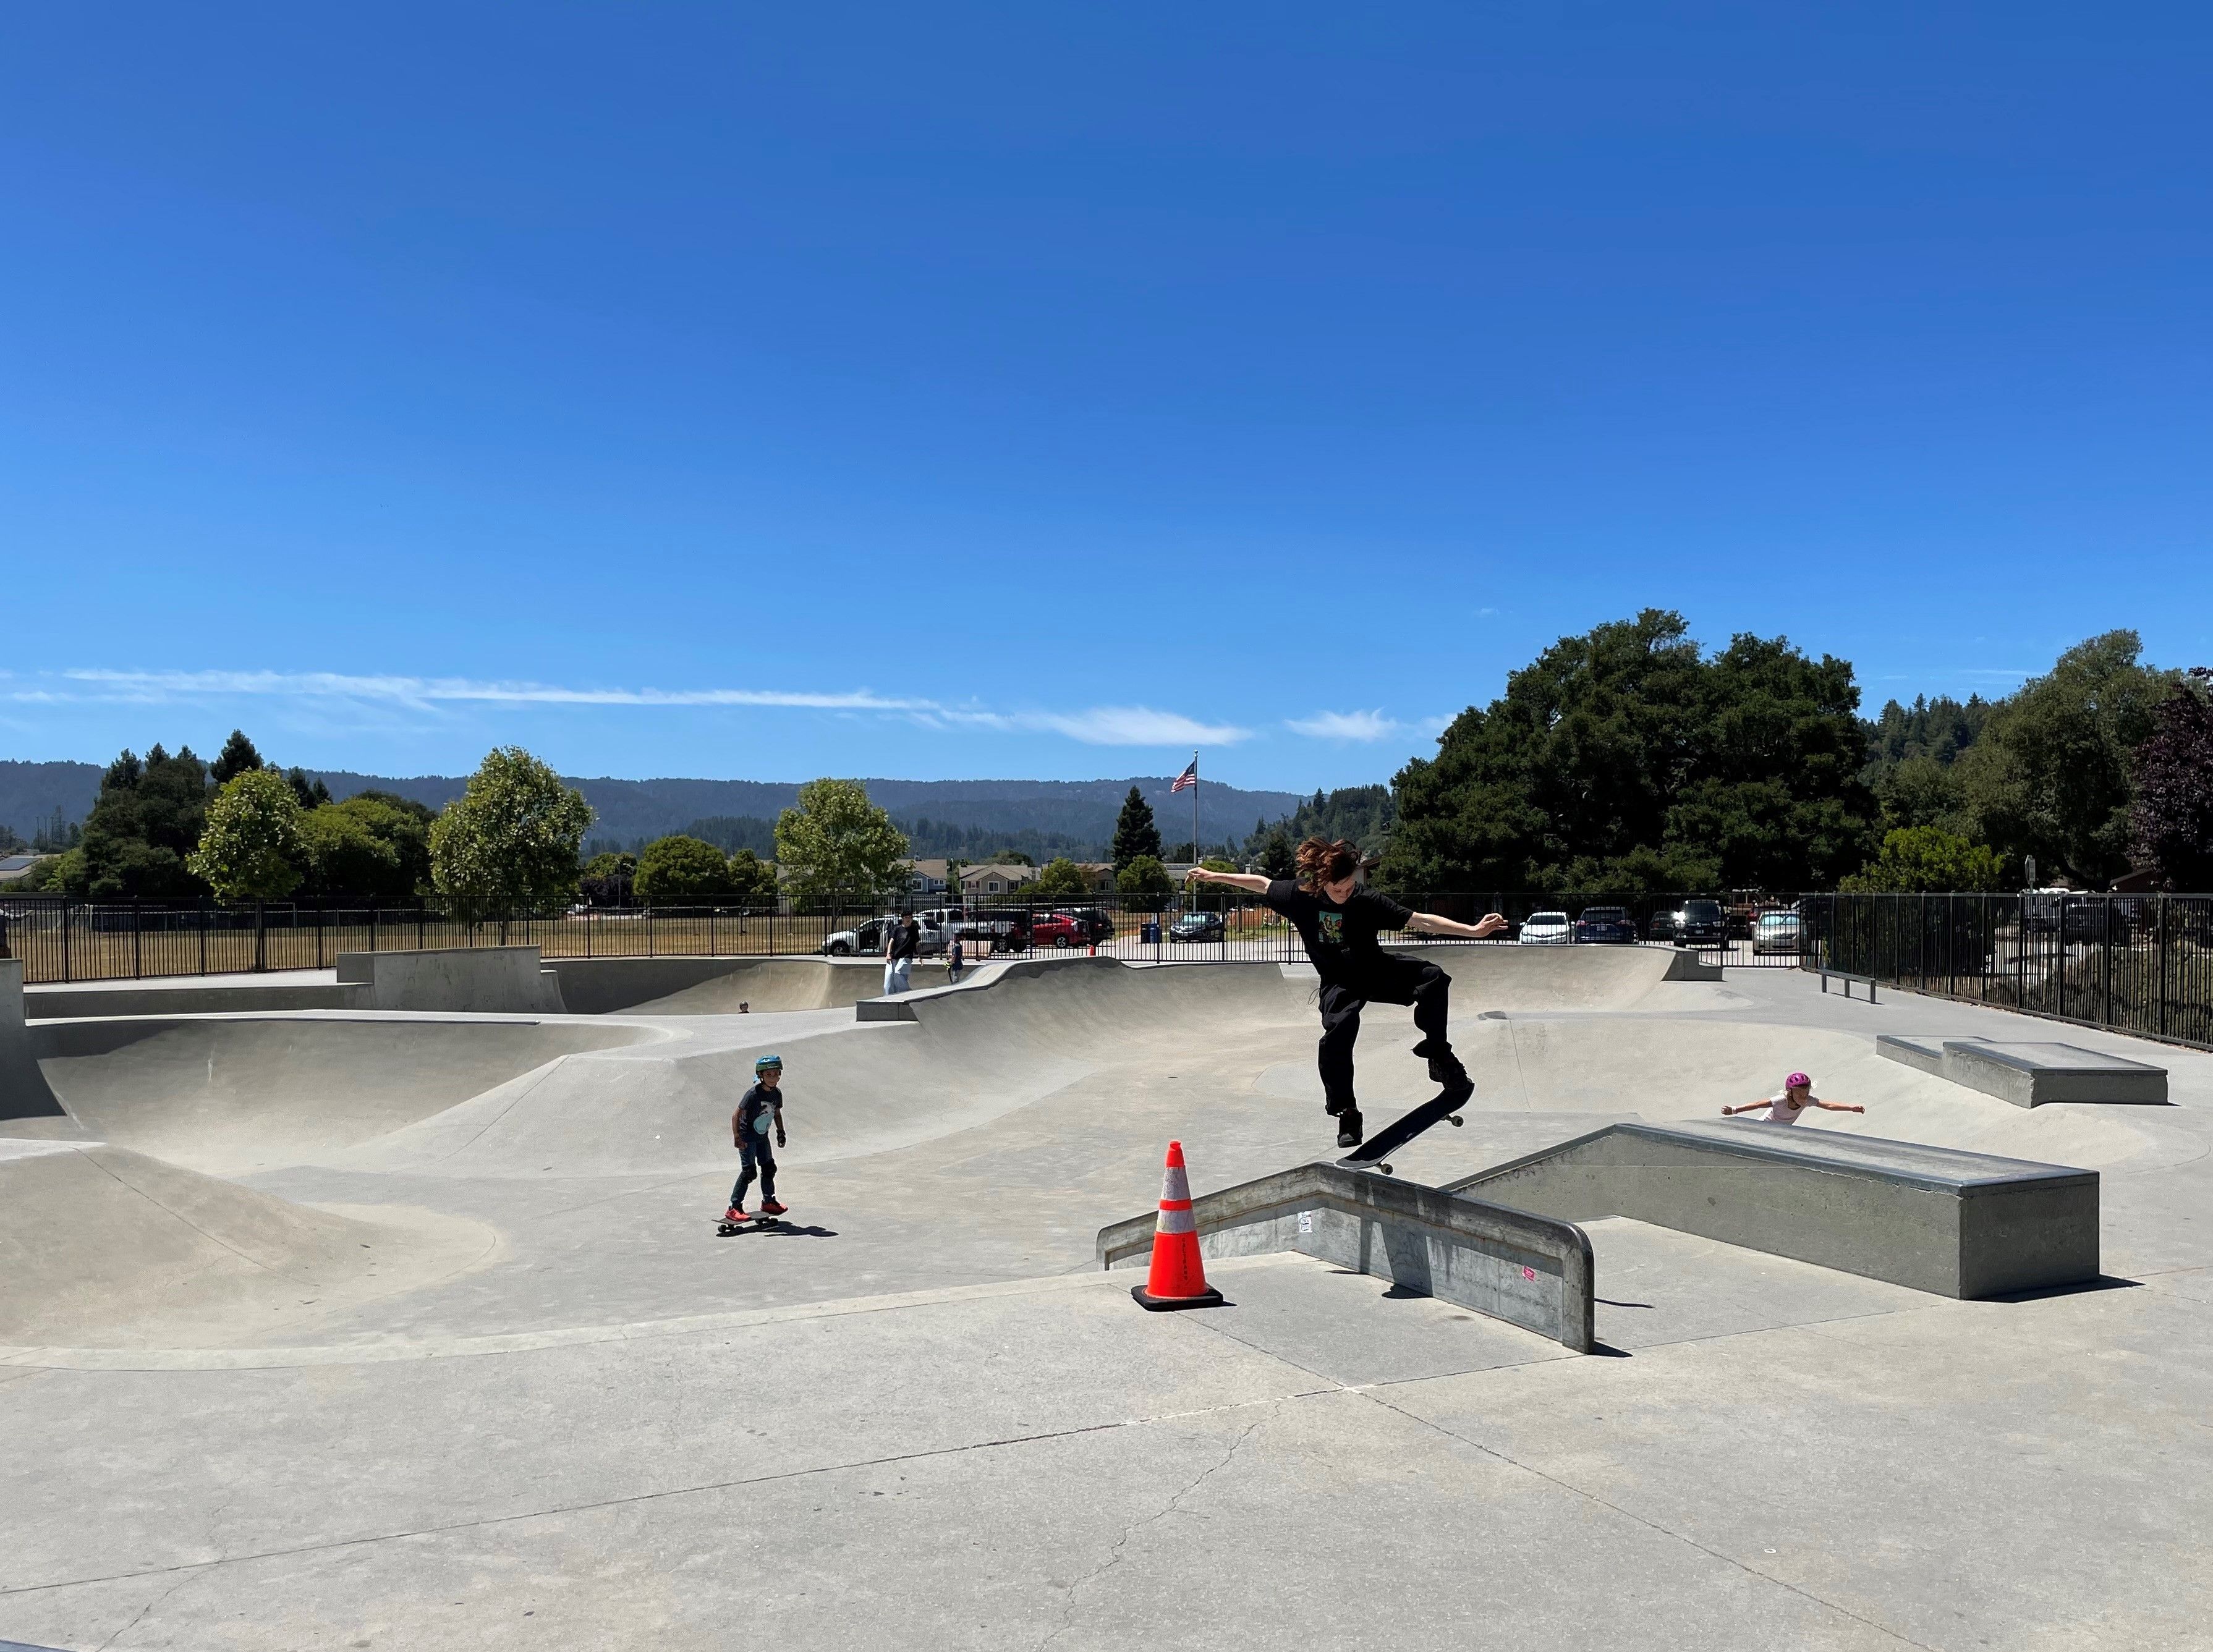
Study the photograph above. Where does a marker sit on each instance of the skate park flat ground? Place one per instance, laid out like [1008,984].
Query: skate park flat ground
[414,1331]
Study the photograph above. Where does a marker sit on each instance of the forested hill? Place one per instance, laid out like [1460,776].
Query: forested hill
[1078,813]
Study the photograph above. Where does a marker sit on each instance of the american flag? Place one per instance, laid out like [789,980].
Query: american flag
[1188,778]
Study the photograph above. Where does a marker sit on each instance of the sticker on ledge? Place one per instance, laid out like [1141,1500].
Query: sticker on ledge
[1530,1274]
[1305,1222]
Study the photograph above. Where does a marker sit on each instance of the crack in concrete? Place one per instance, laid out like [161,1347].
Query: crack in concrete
[443,1527]
[1115,1555]
[1650,1525]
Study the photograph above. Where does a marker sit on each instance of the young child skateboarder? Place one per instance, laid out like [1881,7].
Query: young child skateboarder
[760,1111]
[1337,922]
[1787,1105]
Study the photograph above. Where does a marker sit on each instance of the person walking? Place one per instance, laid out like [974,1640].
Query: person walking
[957,958]
[759,1110]
[902,940]
[1337,922]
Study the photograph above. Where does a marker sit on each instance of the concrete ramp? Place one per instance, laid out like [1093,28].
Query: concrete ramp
[453,980]
[238,1093]
[1526,1269]
[2031,1074]
[1562,977]
[102,1247]
[717,986]
[1957,1224]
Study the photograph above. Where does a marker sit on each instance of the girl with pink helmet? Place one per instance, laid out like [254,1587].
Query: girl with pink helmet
[1787,1105]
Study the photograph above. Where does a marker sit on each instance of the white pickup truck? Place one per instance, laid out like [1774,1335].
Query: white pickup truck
[867,940]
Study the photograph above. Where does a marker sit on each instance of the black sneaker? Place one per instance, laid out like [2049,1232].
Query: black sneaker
[1349,1131]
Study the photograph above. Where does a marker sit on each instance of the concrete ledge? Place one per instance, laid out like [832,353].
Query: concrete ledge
[2032,1075]
[883,1010]
[1684,965]
[468,980]
[107,1002]
[1956,1224]
[24,1092]
[1527,1269]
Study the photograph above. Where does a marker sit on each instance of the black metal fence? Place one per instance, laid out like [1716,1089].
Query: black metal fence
[62,939]
[2133,963]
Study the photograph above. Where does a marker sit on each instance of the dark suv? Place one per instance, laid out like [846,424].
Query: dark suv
[1701,924]
[1605,925]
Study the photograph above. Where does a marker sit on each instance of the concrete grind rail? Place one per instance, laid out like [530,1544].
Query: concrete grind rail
[1957,1224]
[1527,1269]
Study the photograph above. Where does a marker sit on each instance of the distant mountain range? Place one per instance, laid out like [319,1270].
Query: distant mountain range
[961,817]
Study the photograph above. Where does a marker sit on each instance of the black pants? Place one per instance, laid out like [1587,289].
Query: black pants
[1402,980]
[754,1153]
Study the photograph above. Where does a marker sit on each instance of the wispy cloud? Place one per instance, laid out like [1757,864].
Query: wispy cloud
[425,692]
[1102,725]
[1345,725]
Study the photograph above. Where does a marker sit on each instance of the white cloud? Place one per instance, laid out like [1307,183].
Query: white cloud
[1346,725]
[1104,725]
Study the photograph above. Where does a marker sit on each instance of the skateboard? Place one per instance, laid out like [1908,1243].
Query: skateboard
[1372,1154]
[724,1227]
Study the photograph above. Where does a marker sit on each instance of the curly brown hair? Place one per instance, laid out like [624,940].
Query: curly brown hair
[1323,862]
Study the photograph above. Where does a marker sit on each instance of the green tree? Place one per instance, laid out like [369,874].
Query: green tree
[1624,759]
[510,841]
[1146,881]
[608,878]
[374,847]
[2172,813]
[147,818]
[752,877]
[679,869]
[837,845]
[1061,876]
[2050,774]
[1920,791]
[250,848]
[237,757]
[1928,859]
[1135,833]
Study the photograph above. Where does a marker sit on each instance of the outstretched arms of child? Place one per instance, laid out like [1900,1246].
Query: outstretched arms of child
[1833,1107]
[1430,924]
[1251,883]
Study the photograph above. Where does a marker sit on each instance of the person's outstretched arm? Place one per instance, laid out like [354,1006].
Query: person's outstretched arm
[1431,923]
[1833,1107]
[1749,1106]
[1251,882]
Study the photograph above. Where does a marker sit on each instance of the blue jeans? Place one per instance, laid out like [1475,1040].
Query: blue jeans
[754,1154]
[898,975]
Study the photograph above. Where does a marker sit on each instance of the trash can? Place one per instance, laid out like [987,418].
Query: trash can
[1150,934]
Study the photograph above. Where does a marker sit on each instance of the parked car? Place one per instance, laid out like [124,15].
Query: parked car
[1097,925]
[1701,924]
[867,940]
[1606,926]
[1058,930]
[1662,926]
[1779,932]
[1546,929]
[1197,926]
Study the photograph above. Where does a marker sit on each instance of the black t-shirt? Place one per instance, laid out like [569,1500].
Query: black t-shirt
[1339,939]
[758,1114]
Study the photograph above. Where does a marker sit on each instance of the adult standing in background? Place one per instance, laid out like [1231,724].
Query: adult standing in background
[901,942]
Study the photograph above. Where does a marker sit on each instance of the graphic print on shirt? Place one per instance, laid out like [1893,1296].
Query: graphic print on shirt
[1333,927]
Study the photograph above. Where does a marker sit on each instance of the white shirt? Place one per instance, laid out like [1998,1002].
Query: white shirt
[1780,1112]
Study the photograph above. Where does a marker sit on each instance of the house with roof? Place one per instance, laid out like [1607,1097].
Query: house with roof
[15,868]
[985,881]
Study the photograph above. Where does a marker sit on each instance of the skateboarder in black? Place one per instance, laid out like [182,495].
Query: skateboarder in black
[1338,921]
[759,1112]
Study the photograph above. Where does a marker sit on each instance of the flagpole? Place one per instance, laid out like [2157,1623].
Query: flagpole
[1195,855]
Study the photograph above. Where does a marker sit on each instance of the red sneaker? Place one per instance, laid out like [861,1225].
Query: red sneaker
[771,1208]
[735,1213]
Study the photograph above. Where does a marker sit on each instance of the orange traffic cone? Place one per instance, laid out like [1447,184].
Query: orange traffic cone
[1178,1278]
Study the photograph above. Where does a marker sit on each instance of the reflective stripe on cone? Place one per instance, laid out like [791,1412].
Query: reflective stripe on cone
[1178,1276]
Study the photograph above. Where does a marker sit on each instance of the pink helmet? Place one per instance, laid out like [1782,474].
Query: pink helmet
[1797,1082]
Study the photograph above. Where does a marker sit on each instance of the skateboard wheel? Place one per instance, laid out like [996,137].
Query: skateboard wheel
[1457,1120]
[1385,1168]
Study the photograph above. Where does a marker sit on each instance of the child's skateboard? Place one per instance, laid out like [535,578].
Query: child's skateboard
[724,1227]
[1374,1153]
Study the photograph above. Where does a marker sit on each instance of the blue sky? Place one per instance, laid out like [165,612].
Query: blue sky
[1043,390]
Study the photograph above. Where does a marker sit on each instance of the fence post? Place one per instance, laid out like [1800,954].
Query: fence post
[372,929]
[421,919]
[650,949]
[260,935]
[2106,971]
[2159,934]
[137,939]
[66,976]
[319,938]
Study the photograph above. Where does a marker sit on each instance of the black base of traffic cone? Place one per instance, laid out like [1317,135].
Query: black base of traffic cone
[1145,1299]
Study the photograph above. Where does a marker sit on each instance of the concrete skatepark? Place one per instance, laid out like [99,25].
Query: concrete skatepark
[335,1322]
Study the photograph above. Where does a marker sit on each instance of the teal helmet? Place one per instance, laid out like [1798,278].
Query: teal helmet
[767,1064]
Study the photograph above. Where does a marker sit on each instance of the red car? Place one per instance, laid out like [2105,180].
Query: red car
[1058,930]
